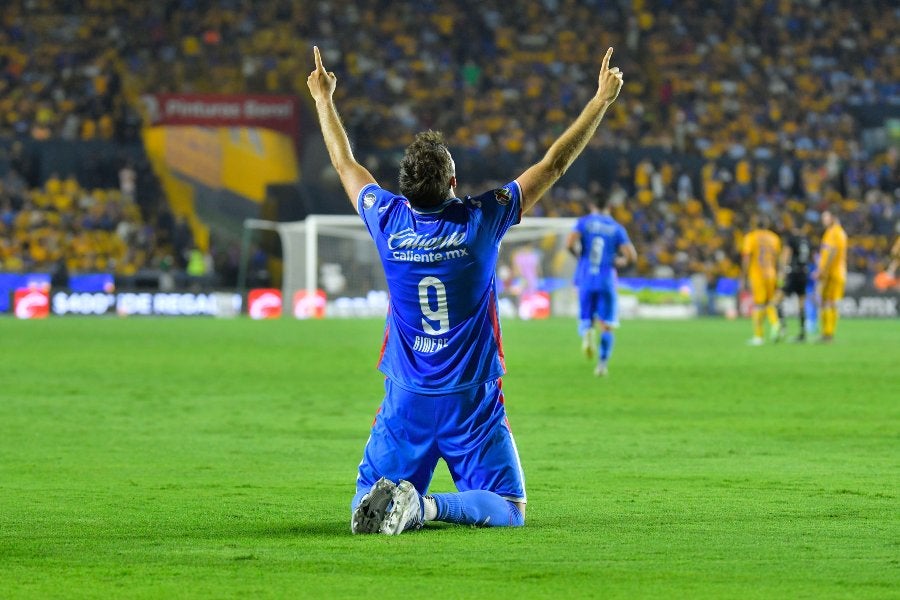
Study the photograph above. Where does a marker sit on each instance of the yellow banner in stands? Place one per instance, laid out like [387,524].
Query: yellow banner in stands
[242,160]
[254,158]
[194,152]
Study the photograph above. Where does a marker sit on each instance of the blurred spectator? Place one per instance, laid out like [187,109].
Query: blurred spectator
[128,182]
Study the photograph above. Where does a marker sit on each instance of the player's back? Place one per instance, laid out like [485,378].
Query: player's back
[601,238]
[834,245]
[443,331]
[801,252]
[763,247]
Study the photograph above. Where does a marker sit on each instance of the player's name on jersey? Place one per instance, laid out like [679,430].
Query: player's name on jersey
[428,345]
[598,228]
[427,257]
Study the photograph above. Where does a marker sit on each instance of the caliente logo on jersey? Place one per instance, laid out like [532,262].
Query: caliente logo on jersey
[408,239]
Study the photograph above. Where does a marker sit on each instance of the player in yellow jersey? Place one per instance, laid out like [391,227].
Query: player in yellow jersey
[759,261]
[895,258]
[832,273]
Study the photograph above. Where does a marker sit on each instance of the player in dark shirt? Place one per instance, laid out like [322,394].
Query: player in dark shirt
[795,259]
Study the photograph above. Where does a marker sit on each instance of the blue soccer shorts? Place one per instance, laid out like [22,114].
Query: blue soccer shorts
[602,304]
[468,429]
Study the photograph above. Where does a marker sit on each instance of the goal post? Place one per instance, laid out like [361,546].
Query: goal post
[335,254]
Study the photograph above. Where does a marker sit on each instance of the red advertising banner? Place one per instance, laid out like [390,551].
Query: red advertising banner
[310,306]
[31,303]
[264,303]
[280,113]
[535,305]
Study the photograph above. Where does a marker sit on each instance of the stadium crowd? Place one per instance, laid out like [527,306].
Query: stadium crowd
[62,228]
[752,105]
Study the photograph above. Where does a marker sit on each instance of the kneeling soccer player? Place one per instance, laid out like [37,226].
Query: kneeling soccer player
[442,355]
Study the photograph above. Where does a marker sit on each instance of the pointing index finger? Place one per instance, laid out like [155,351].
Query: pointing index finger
[605,66]
[318,58]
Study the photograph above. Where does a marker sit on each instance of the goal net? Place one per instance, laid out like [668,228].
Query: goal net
[334,254]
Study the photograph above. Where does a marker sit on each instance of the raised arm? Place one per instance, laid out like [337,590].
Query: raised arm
[537,179]
[354,176]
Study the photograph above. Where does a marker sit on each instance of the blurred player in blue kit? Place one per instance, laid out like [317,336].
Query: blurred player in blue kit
[811,304]
[600,244]
[442,354]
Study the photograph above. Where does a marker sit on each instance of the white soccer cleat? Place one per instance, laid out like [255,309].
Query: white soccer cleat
[601,370]
[755,341]
[405,512]
[369,514]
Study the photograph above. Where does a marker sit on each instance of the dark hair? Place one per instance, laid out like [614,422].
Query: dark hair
[425,170]
[600,199]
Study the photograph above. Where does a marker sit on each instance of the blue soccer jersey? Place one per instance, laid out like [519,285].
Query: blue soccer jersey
[601,238]
[442,332]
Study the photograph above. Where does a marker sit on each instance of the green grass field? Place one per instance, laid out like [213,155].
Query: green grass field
[205,458]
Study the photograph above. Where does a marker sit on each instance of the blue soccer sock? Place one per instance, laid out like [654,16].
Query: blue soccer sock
[477,507]
[812,315]
[606,345]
